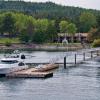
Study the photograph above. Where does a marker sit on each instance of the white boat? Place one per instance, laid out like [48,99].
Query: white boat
[9,60]
[11,63]
[8,68]
[13,58]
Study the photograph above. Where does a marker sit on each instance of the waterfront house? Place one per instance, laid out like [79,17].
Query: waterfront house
[77,37]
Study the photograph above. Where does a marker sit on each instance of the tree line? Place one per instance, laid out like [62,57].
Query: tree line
[30,29]
[40,22]
[47,10]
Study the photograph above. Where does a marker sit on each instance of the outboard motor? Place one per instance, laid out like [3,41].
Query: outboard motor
[21,64]
[22,56]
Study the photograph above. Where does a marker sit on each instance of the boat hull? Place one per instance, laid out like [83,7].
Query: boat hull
[4,71]
[9,60]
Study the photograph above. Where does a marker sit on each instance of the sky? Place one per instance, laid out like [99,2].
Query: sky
[91,4]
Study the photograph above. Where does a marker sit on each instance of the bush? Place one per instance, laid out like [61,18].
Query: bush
[96,43]
[8,43]
[39,37]
[24,37]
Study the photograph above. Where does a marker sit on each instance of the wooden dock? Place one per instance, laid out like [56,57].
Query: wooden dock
[43,72]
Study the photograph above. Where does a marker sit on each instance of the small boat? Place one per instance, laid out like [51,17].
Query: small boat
[6,68]
[11,63]
[9,60]
[13,58]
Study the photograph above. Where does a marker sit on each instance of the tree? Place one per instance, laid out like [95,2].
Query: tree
[21,21]
[41,25]
[98,21]
[8,24]
[27,29]
[63,26]
[87,21]
[92,35]
[71,28]
[24,36]
[1,19]
[40,31]
[30,27]
[39,37]
[51,31]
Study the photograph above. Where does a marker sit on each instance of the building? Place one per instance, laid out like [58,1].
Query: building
[78,37]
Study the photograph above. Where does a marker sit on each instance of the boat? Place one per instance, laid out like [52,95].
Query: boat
[6,68]
[9,60]
[11,63]
[13,58]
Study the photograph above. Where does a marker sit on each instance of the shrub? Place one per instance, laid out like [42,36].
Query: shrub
[39,37]
[96,43]
[8,43]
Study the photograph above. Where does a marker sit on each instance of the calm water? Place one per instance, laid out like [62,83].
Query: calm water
[77,83]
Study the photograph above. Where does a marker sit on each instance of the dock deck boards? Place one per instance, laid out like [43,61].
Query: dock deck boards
[34,72]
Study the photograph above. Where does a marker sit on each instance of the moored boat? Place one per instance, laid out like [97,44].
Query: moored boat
[8,68]
[13,58]
[9,60]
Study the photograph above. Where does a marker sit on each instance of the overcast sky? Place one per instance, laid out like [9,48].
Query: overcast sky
[93,4]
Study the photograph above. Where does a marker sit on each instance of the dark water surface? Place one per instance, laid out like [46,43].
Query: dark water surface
[77,83]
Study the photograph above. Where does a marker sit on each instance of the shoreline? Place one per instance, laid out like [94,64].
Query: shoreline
[39,47]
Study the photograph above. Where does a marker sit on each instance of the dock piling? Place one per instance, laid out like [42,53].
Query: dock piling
[75,59]
[84,56]
[65,62]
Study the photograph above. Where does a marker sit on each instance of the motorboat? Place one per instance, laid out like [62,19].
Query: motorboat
[13,58]
[8,68]
[9,60]
[11,63]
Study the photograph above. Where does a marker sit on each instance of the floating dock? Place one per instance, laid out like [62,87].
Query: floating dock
[42,72]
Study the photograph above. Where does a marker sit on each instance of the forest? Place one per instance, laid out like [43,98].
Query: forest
[47,10]
[36,20]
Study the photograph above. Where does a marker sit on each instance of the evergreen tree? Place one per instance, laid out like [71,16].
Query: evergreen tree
[87,21]
[8,24]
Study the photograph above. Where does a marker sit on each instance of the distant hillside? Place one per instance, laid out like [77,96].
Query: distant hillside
[45,10]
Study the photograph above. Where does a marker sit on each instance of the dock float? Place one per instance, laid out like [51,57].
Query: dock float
[42,72]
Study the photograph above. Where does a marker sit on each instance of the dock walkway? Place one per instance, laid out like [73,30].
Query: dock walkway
[44,72]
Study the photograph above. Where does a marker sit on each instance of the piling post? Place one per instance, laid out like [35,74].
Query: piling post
[65,62]
[75,59]
[84,56]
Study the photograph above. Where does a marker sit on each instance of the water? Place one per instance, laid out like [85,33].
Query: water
[77,83]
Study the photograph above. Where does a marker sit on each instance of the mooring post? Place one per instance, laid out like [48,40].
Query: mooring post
[84,56]
[65,62]
[75,59]
[91,54]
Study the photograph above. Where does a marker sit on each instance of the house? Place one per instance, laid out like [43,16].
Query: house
[76,38]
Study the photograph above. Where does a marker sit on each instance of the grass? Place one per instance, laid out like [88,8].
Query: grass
[16,40]
[12,40]
[60,44]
